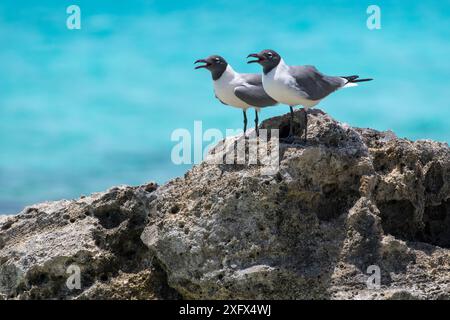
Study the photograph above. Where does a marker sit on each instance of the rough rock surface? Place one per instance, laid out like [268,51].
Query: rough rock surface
[99,234]
[344,205]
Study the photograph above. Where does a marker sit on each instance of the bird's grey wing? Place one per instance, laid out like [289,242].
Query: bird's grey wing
[220,100]
[252,78]
[313,83]
[255,96]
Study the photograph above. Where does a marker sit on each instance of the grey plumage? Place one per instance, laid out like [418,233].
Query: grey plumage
[253,93]
[313,84]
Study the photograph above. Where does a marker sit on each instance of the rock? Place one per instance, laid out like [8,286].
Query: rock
[97,234]
[347,200]
[352,214]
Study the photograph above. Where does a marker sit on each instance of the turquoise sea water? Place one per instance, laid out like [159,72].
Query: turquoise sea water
[82,110]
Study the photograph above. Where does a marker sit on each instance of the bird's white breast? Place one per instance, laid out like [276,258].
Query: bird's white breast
[281,86]
[224,88]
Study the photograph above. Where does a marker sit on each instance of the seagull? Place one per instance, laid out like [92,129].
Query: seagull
[239,90]
[298,85]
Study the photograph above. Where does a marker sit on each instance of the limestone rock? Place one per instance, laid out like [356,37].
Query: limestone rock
[97,235]
[352,214]
[347,200]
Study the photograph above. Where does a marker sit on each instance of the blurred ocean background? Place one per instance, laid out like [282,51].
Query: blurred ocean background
[83,110]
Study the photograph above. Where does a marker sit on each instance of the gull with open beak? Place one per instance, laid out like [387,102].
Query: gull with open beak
[239,90]
[298,85]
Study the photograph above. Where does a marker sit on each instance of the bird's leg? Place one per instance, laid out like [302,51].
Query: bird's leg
[306,123]
[291,122]
[256,123]
[290,138]
[245,121]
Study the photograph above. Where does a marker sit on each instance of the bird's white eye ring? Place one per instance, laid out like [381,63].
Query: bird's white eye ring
[217,60]
[270,54]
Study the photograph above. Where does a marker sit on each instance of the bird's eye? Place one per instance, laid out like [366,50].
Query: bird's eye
[217,60]
[269,54]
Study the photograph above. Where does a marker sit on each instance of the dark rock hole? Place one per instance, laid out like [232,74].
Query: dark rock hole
[175,209]
[109,219]
[397,219]
[334,201]
[437,225]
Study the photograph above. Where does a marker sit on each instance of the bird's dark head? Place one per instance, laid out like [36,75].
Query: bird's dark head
[215,64]
[269,59]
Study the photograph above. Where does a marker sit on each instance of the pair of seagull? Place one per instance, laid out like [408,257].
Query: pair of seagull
[279,83]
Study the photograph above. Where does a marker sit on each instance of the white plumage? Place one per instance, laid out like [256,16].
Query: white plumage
[282,86]
[224,88]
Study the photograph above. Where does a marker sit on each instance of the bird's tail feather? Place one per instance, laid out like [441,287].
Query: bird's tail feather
[350,78]
[352,81]
[355,79]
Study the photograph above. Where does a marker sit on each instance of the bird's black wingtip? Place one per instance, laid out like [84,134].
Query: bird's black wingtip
[361,80]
